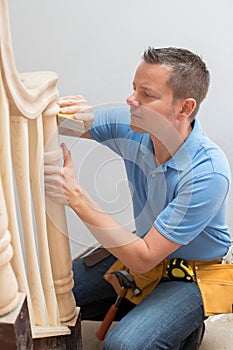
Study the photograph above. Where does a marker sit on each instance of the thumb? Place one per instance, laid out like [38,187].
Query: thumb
[66,155]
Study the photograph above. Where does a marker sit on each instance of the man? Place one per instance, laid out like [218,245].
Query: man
[179,182]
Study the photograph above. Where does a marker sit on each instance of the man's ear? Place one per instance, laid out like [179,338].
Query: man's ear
[187,107]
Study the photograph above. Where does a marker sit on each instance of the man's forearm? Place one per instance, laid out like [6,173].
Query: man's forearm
[105,229]
[140,255]
[122,243]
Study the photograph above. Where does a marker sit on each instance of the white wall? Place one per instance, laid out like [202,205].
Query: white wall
[95,48]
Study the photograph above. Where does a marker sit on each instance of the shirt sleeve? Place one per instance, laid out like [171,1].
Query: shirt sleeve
[110,125]
[193,209]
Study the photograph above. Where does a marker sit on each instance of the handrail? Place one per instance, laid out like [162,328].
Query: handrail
[29,100]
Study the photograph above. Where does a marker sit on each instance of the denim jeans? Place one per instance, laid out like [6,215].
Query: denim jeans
[163,320]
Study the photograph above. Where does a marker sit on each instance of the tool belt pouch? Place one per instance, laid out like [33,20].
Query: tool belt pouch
[216,285]
[146,282]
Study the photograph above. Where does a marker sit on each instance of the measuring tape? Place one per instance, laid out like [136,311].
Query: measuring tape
[180,270]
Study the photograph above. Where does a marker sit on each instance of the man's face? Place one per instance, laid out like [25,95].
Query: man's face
[151,104]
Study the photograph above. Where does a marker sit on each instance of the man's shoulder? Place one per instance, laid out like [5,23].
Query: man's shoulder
[207,155]
[213,153]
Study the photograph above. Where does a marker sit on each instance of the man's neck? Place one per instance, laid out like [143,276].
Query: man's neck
[166,145]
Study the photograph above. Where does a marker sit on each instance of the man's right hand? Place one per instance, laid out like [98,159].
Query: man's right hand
[79,108]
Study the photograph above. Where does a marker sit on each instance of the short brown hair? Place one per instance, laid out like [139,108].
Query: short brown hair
[190,77]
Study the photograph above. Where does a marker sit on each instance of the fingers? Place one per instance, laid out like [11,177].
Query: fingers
[84,113]
[52,170]
[53,183]
[55,192]
[67,156]
[64,149]
[72,109]
[87,118]
[76,105]
[79,108]
[67,101]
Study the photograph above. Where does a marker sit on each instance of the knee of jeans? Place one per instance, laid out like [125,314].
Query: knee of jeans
[120,340]
[115,341]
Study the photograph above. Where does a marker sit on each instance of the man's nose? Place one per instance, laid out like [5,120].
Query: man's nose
[132,100]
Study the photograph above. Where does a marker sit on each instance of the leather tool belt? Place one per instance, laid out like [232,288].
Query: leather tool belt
[215,280]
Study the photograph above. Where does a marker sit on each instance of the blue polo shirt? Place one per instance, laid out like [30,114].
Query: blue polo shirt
[185,198]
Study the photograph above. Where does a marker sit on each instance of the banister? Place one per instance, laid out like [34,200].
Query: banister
[30,98]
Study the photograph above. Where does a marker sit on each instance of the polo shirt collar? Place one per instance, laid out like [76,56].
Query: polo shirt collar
[185,154]
[183,157]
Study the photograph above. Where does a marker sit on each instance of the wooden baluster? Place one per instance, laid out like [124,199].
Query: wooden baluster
[7,181]
[36,151]
[8,282]
[20,154]
[56,225]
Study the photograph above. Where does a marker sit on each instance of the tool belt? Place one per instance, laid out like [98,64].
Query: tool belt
[215,281]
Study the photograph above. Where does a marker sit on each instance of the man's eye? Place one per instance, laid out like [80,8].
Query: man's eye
[148,95]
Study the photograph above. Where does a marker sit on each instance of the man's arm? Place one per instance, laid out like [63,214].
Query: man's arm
[138,254]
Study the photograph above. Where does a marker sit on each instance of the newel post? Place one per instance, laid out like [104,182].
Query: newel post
[56,224]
